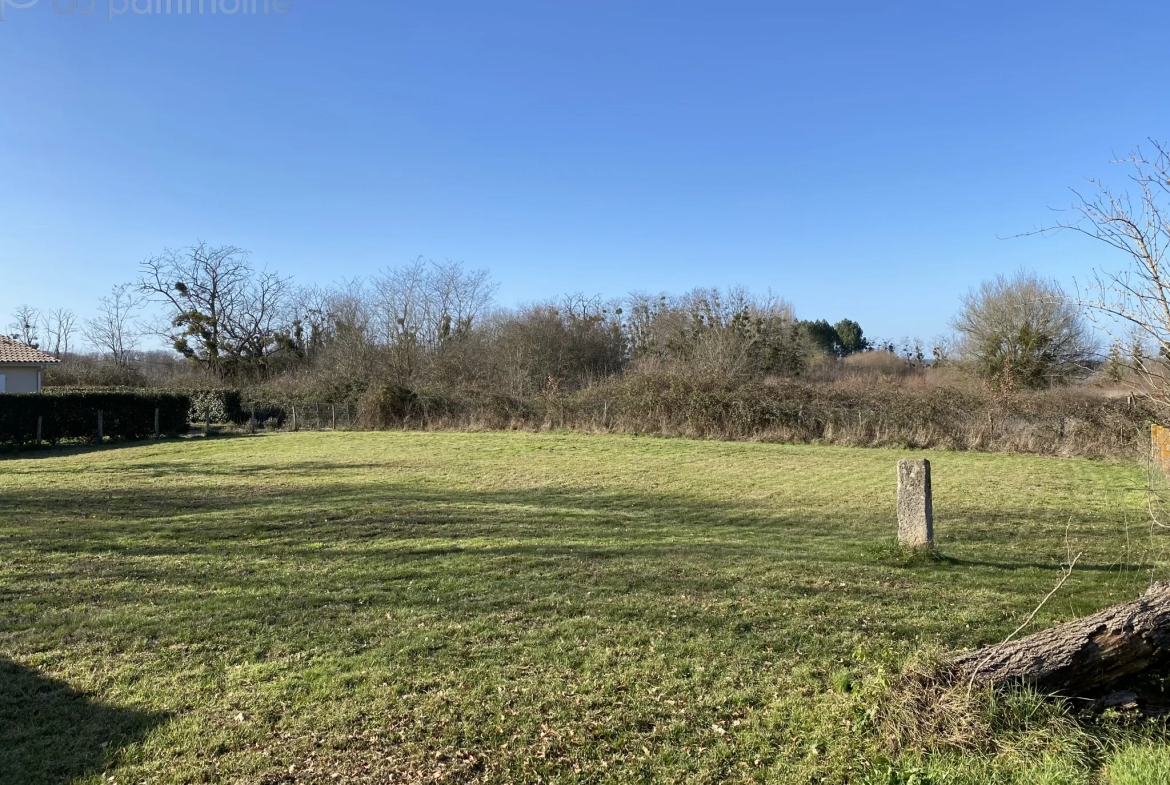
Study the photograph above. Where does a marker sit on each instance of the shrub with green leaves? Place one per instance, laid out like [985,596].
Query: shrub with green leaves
[207,406]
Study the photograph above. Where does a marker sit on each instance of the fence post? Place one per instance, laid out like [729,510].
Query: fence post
[156,431]
[101,434]
[333,408]
[252,420]
[294,410]
[207,423]
[39,430]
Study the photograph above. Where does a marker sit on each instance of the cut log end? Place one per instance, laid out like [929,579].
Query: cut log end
[1083,657]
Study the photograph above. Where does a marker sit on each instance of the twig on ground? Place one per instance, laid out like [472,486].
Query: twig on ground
[1067,573]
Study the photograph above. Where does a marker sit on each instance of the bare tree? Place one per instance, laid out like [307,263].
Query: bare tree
[428,301]
[116,329]
[59,327]
[723,334]
[223,313]
[456,298]
[332,329]
[401,302]
[1021,331]
[1132,303]
[24,324]
[421,307]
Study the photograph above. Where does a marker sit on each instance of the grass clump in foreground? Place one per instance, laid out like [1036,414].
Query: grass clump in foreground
[412,607]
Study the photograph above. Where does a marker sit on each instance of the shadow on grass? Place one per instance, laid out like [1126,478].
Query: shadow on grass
[51,734]
[890,554]
[32,452]
[1051,566]
[355,553]
[383,515]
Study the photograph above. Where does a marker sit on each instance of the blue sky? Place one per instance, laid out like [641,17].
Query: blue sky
[860,159]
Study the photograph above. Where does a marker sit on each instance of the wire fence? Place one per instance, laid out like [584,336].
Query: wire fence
[290,417]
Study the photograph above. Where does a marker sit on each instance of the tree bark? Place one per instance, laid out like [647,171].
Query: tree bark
[1081,657]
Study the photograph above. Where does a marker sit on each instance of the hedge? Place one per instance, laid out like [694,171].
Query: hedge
[222,402]
[74,415]
[228,403]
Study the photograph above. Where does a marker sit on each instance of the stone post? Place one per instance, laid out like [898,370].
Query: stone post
[915,513]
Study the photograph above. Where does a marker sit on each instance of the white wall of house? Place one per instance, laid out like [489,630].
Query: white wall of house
[20,378]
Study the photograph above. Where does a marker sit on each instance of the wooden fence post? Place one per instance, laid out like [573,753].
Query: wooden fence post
[156,430]
[39,430]
[101,434]
[294,411]
[333,408]
[252,420]
[207,423]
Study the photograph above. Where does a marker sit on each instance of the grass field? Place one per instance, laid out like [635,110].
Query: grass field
[409,607]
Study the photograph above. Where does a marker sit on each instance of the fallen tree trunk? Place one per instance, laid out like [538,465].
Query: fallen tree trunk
[1081,657]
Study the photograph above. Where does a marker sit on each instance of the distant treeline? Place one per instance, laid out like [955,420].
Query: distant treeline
[425,345]
[425,325]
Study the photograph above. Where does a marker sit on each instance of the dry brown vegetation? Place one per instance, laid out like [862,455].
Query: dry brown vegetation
[421,347]
[918,410]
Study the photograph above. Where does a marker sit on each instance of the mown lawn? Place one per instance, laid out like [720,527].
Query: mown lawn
[408,607]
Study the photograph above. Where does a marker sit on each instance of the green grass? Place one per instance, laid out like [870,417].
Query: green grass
[401,607]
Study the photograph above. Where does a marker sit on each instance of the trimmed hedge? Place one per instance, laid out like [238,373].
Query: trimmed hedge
[227,402]
[126,416]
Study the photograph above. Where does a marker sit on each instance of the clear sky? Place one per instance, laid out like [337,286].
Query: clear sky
[861,159]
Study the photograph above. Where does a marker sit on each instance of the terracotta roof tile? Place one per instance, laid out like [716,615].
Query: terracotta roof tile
[16,352]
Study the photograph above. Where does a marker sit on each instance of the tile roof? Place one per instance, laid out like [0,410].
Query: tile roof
[16,352]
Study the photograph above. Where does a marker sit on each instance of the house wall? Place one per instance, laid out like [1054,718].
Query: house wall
[20,379]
